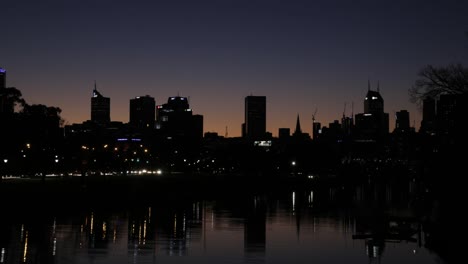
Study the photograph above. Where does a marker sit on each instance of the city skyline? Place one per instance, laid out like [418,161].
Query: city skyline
[302,56]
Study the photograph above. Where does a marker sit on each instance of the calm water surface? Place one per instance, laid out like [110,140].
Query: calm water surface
[368,223]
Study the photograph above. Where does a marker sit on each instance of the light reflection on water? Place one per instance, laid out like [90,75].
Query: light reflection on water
[332,225]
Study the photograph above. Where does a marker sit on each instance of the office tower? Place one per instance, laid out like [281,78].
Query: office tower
[142,112]
[373,103]
[5,107]
[372,125]
[255,117]
[2,78]
[100,108]
[428,122]
[402,121]
[176,119]
[316,129]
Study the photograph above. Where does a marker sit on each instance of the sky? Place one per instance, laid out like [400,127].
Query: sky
[306,57]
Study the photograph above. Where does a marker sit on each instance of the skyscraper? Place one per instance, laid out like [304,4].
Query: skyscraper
[175,119]
[142,112]
[2,86]
[255,117]
[2,78]
[373,123]
[100,108]
[402,121]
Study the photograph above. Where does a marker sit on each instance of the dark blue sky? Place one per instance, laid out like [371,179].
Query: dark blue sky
[302,55]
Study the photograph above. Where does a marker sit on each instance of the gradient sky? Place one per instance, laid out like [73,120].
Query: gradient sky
[301,55]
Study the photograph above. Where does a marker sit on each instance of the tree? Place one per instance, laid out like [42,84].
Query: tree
[9,98]
[435,81]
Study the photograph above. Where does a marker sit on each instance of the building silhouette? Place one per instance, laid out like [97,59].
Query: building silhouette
[100,108]
[402,121]
[2,78]
[5,106]
[284,133]
[255,117]
[428,122]
[142,112]
[316,129]
[176,119]
[373,124]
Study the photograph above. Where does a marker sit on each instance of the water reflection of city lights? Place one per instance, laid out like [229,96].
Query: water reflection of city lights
[25,251]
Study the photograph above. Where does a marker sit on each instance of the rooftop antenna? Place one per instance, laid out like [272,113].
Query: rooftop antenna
[378,86]
[352,109]
[95,85]
[226,133]
[368,85]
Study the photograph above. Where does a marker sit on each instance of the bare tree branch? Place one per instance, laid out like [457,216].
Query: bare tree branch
[434,81]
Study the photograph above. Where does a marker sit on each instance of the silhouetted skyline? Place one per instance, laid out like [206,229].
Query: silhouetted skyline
[301,55]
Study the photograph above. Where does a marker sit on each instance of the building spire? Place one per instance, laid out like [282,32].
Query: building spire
[368,85]
[95,85]
[298,126]
[378,86]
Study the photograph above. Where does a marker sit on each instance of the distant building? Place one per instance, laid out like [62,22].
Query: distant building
[100,108]
[373,124]
[5,106]
[175,119]
[255,117]
[451,114]
[428,123]
[2,78]
[142,112]
[316,129]
[402,121]
[298,134]
[284,133]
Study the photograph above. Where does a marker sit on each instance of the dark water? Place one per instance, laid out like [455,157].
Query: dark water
[362,223]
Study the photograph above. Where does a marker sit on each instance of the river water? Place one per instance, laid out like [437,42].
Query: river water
[363,223]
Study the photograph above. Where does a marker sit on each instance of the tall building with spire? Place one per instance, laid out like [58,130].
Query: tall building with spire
[373,124]
[298,130]
[100,107]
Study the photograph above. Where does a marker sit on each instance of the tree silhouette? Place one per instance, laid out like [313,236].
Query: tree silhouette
[434,81]
[11,97]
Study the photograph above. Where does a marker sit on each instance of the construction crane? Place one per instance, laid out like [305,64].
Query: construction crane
[313,115]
